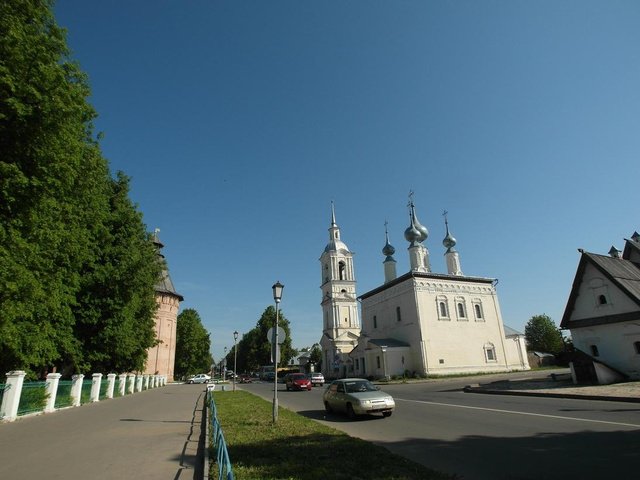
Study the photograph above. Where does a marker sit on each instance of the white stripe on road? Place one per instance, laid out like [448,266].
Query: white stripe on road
[519,413]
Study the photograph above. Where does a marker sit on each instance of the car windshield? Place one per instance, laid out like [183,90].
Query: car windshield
[359,386]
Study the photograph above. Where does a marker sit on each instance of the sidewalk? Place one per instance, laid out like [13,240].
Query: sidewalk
[154,434]
[561,387]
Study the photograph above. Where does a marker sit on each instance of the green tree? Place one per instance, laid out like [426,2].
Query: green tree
[77,269]
[542,335]
[193,345]
[254,350]
[51,186]
[315,357]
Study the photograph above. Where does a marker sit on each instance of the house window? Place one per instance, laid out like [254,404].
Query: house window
[357,364]
[375,322]
[490,352]
[341,267]
[398,316]
[443,309]
[461,312]
[602,300]
[594,351]
[478,310]
[636,345]
[378,361]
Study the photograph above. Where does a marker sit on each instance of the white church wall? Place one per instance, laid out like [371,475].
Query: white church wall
[459,342]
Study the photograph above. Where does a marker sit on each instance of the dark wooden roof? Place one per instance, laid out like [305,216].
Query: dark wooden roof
[622,273]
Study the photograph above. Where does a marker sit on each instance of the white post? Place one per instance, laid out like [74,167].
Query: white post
[111,383]
[146,382]
[11,395]
[122,383]
[131,377]
[96,381]
[76,389]
[52,391]
[138,383]
[154,379]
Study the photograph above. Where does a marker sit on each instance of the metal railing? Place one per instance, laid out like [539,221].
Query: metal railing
[223,462]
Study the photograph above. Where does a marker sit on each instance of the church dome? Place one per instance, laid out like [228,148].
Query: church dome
[416,232]
[336,245]
[388,249]
[449,241]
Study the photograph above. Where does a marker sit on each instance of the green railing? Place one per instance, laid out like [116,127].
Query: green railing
[104,386]
[85,392]
[33,398]
[63,396]
[223,462]
[2,388]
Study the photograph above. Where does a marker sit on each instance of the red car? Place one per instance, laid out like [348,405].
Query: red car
[297,381]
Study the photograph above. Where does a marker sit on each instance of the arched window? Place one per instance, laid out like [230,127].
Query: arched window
[594,351]
[478,311]
[398,316]
[461,312]
[375,322]
[341,270]
[637,347]
[602,299]
[443,309]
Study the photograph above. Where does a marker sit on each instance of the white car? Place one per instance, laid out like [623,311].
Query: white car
[200,378]
[357,396]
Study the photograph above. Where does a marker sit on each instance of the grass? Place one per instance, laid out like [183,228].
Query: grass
[301,448]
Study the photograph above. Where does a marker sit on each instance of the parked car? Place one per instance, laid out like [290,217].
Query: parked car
[316,378]
[357,396]
[199,378]
[297,381]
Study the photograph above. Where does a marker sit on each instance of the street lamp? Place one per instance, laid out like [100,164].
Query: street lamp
[235,358]
[224,366]
[277,296]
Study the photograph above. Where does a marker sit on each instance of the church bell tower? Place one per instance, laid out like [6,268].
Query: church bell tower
[341,320]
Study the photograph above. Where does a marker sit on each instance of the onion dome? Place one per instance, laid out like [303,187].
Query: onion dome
[416,232]
[449,241]
[388,249]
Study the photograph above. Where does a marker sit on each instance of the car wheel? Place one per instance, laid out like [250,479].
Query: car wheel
[327,407]
[386,414]
[190,381]
[350,413]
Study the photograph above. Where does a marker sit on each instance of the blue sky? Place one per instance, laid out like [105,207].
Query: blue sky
[240,121]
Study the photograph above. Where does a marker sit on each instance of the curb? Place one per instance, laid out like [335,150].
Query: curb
[469,389]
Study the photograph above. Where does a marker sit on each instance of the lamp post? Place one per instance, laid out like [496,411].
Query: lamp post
[235,358]
[224,366]
[277,296]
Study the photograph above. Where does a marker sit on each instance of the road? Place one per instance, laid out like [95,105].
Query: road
[491,436]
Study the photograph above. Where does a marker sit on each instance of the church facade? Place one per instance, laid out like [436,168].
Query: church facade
[425,323]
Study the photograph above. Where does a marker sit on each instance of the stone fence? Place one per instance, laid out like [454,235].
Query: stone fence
[54,394]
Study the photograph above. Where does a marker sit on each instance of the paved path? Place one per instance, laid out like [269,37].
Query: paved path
[155,434]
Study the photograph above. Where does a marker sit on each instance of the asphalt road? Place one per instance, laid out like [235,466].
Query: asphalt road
[491,436]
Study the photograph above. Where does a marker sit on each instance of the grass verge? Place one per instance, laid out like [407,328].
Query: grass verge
[300,448]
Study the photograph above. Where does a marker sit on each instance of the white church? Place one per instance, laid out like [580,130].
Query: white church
[420,323]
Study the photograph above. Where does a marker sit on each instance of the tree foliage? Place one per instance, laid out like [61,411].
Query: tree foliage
[77,268]
[542,335]
[254,349]
[193,345]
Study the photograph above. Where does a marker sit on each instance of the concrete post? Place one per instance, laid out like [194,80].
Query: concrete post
[96,381]
[153,381]
[111,383]
[146,382]
[11,396]
[76,389]
[122,383]
[131,377]
[138,383]
[52,391]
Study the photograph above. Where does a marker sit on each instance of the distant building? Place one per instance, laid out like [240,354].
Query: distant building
[420,323]
[161,358]
[603,310]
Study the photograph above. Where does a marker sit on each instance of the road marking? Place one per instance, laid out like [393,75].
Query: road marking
[513,412]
